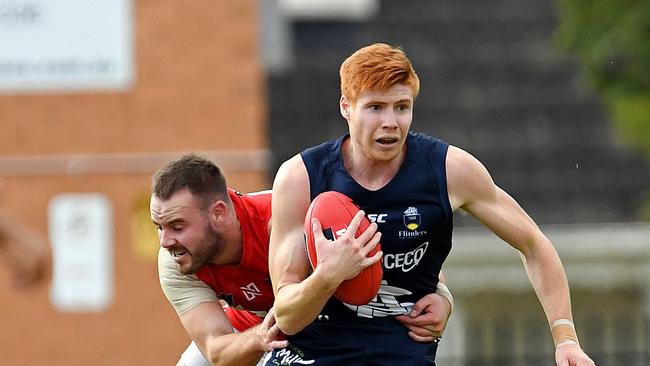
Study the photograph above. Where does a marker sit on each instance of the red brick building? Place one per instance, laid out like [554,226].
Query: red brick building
[198,87]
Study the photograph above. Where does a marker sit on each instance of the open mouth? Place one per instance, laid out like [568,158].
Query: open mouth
[178,254]
[387,140]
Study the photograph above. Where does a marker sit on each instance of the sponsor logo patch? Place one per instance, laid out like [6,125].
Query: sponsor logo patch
[405,261]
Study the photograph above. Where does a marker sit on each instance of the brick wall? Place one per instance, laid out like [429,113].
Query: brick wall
[199,87]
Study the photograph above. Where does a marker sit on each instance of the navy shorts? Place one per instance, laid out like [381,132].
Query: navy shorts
[352,342]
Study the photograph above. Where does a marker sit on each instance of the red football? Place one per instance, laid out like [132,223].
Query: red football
[335,211]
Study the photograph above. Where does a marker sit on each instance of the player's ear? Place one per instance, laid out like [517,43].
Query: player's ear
[218,212]
[344,105]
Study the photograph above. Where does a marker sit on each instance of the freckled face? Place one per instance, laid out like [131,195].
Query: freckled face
[184,230]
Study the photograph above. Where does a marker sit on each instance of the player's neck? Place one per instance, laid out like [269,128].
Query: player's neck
[371,174]
[233,248]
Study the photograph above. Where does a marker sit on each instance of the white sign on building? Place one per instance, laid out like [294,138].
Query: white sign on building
[81,233]
[66,45]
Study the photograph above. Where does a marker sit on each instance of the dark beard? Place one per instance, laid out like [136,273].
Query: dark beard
[210,245]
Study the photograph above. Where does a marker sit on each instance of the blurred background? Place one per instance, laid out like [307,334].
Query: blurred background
[552,95]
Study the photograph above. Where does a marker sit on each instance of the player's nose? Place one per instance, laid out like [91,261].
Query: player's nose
[389,119]
[166,239]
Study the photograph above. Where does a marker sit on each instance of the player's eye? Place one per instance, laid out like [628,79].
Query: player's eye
[402,107]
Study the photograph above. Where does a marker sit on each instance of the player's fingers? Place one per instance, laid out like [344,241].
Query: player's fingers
[354,224]
[421,339]
[370,244]
[369,261]
[269,319]
[419,321]
[420,306]
[368,234]
[404,319]
[272,332]
[273,339]
[277,344]
[423,331]
[317,229]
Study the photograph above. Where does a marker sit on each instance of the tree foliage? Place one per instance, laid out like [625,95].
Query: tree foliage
[612,40]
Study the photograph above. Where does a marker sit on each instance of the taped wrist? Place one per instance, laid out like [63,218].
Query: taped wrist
[564,333]
[443,290]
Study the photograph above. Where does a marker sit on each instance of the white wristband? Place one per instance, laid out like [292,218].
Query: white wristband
[565,342]
[562,321]
[443,290]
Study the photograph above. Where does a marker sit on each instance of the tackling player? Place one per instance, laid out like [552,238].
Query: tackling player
[214,250]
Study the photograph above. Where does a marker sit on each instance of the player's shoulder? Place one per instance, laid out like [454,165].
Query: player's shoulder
[256,195]
[256,202]
[467,178]
[461,162]
[293,163]
[291,177]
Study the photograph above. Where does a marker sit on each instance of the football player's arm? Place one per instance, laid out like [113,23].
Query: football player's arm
[299,296]
[209,327]
[472,189]
[205,321]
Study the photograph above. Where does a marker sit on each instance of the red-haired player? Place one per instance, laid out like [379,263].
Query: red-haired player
[415,183]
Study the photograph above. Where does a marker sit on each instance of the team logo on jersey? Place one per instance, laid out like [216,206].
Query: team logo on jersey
[251,291]
[386,303]
[411,218]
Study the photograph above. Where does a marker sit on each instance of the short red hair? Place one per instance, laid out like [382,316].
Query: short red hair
[377,67]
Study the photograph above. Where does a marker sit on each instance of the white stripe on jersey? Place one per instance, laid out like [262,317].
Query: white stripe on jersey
[268,191]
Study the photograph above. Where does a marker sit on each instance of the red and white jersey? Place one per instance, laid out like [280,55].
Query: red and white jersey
[246,285]
[243,286]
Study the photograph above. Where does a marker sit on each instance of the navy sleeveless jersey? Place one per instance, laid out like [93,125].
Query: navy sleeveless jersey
[412,212]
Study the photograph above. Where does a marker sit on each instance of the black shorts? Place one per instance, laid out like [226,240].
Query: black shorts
[354,342]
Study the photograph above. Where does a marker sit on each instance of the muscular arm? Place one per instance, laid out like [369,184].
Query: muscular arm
[203,318]
[210,329]
[471,188]
[299,297]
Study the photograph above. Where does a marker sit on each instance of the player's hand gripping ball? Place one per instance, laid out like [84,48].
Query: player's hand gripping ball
[335,211]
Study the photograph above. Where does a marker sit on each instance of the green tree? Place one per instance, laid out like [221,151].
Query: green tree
[612,40]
